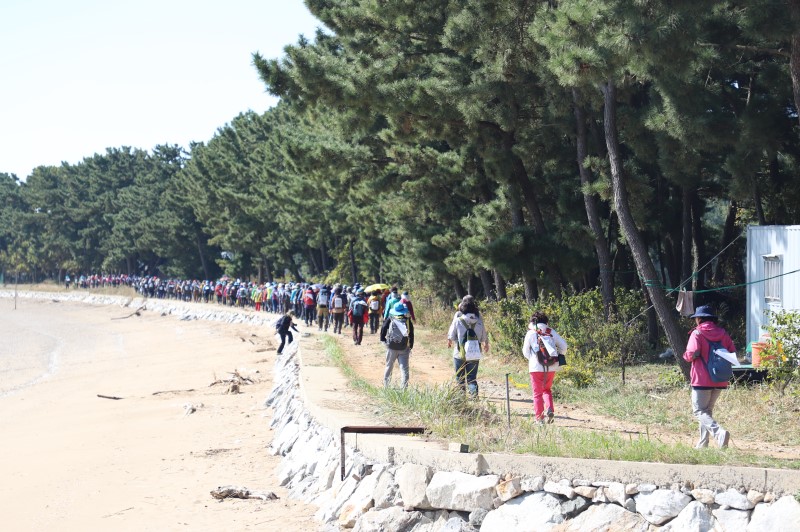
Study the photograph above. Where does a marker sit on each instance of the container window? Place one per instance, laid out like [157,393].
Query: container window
[773,267]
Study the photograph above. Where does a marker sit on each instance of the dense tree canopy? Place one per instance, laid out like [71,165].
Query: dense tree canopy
[465,145]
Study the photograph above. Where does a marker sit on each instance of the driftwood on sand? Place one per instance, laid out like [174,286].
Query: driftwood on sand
[239,492]
[235,378]
[114,397]
[137,312]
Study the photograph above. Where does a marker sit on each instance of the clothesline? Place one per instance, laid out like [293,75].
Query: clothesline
[656,284]
[692,276]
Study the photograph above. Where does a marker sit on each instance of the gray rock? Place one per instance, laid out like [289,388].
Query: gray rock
[340,494]
[695,517]
[560,488]
[533,511]
[461,491]
[394,518]
[509,489]
[630,505]
[733,499]
[615,492]
[703,495]
[782,515]
[586,491]
[572,507]
[453,524]
[413,480]
[647,488]
[661,505]
[359,502]
[532,483]
[386,490]
[731,520]
[604,518]
[476,517]
[755,496]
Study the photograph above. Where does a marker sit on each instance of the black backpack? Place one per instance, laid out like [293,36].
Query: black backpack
[358,309]
[395,338]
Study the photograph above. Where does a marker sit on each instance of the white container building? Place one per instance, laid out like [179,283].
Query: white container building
[772,251]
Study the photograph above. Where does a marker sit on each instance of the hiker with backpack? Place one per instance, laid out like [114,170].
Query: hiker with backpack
[358,314]
[397,333]
[282,327]
[391,300]
[309,306]
[467,335]
[337,307]
[544,348]
[709,374]
[322,307]
[374,304]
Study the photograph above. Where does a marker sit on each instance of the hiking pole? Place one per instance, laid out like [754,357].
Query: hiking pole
[508,402]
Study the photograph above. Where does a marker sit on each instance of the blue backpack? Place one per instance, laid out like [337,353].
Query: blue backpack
[719,369]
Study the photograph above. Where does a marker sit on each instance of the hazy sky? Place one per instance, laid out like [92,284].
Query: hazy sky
[79,76]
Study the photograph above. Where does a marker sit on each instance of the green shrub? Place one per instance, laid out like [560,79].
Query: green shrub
[670,378]
[782,355]
[594,340]
[578,376]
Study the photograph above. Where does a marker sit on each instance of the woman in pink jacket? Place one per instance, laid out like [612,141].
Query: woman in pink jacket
[705,391]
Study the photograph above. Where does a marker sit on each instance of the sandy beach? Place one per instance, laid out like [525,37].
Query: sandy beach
[74,461]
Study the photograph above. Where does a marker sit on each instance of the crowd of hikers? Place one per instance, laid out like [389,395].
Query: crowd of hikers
[390,313]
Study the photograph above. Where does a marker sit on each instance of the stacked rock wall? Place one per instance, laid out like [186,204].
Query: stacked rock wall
[411,496]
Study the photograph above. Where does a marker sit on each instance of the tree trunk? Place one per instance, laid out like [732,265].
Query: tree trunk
[531,292]
[500,285]
[762,220]
[727,238]
[699,243]
[486,281]
[459,288]
[353,267]
[268,270]
[472,286]
[313,259]
[686,238]
[664,311]
[590,203]
[296,270]
[323,252]
[520,176]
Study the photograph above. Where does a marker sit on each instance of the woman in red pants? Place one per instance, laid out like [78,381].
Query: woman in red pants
[541,347]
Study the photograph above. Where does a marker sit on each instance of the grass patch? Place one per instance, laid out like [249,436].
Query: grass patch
[449,414]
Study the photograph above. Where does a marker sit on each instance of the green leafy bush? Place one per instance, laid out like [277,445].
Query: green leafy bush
[670,378]
[782,355]
[594,340]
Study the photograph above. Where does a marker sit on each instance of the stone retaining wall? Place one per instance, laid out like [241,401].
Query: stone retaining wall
[182,309]
[410,495]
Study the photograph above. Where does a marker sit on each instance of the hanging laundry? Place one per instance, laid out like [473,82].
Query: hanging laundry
[685,303]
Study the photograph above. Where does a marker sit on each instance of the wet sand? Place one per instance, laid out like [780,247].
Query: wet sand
[73,461]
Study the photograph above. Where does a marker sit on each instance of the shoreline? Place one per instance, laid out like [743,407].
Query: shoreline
[81,462]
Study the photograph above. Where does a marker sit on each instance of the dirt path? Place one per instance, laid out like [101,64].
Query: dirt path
[430,364]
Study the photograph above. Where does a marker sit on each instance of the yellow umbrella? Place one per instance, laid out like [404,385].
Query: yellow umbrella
[376,286]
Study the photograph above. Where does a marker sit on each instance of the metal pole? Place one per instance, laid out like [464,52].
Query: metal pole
[16,283]
[508,402]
